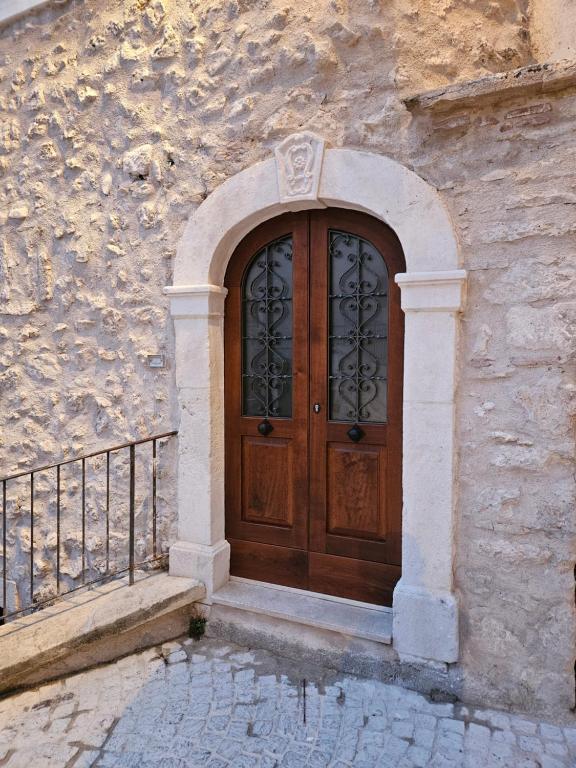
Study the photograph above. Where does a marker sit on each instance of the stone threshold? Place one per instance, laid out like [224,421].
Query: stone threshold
[532,80]
[346,617]
[95,625]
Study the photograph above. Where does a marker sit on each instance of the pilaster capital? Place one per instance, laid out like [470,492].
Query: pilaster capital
[443,291]
[196,301]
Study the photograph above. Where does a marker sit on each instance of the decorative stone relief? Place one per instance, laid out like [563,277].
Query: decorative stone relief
[299,164]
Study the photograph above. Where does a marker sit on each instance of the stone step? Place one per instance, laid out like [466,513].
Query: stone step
[346,617]
[317,631]
[94,626]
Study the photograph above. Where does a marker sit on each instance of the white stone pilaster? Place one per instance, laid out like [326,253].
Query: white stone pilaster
[425,607]
[201,550]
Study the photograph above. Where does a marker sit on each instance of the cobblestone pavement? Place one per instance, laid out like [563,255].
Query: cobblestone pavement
[213,705]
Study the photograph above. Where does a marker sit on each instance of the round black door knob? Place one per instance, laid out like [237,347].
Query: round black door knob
[265,427]
[355,433]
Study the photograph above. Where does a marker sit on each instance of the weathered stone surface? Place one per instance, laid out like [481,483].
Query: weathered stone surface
[95,96]
[529,81]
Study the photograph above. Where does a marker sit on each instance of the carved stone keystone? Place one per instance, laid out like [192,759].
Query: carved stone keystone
[299,165]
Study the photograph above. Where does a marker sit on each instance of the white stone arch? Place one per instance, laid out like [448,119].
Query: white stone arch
[303,175]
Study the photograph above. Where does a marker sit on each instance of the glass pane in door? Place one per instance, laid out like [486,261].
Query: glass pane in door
[358,329]
[267,332]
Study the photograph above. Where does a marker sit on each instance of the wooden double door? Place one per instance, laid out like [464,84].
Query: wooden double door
[313,378]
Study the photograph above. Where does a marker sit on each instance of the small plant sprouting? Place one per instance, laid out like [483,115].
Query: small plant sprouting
[197,627]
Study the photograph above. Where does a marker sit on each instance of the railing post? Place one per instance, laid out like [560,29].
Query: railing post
[4,570]
[132,502]
[58,529]
[154,523]
[83,521]
[31,537]
[107,512]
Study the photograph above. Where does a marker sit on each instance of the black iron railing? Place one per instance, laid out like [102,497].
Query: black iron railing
[108,570]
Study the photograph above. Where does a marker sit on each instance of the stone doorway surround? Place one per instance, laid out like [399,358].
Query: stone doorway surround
[305,174]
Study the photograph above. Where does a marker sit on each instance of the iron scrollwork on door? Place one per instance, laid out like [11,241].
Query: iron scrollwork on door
[267,333]
[358,331]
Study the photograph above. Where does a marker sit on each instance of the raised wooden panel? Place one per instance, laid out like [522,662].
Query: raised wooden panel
[353,579]
[265,562]
[356,501]
[267,481]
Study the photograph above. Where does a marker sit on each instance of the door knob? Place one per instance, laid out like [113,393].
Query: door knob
[355,434]
[317,407]
[265,428]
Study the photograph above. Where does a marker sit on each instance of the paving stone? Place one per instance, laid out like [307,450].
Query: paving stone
[505,736]
[418,756]
[499,720]
[477,732]
[177,656]
[551,732]
[449,743]
[524,727]
[86,759]
[226,707]
[217,762]
[425,721]
[556,748]
[570,736]
[454,726]
[501,750]
[530,744]
[424,737]
[546,761]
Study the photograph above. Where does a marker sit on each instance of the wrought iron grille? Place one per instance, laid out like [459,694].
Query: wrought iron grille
[267,332]
[358,330]
[61,582]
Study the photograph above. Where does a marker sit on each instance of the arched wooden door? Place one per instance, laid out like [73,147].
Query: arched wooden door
[313,377]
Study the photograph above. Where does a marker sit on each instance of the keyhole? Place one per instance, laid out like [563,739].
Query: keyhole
[316,407]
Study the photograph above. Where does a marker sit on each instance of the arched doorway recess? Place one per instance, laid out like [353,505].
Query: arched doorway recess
[304,175]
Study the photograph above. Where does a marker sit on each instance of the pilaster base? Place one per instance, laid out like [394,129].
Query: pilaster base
[425,625]
[208,564]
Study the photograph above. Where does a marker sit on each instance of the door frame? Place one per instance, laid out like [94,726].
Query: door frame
[305,175]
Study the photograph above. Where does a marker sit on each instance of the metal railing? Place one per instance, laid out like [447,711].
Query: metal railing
[34,604]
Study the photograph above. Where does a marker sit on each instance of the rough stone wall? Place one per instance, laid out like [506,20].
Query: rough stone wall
[118,118]
[552,26]
[508,174]
[440,41]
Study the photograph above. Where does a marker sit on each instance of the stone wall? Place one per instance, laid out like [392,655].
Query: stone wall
[507,173]
[118,118]
[553,23]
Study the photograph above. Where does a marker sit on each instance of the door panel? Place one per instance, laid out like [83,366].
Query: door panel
[266,382]
[267,497]
[352,578]
[262,562]
[313,375]
[356,504]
